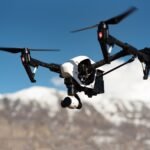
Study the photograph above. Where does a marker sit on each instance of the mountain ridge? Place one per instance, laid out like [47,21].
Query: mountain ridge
[33,119]
[109,108]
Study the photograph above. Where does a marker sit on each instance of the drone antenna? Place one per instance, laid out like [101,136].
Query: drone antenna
[129,61]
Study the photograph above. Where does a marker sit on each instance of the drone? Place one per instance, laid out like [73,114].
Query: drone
[81,73]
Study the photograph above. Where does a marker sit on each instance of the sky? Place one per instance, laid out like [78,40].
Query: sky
[47,24]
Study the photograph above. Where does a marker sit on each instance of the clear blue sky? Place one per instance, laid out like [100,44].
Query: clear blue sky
[47,24]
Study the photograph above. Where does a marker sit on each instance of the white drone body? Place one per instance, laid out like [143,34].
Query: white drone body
[80,76]
[70,69]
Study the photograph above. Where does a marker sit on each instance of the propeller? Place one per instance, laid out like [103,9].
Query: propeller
[111,21]
[18,50]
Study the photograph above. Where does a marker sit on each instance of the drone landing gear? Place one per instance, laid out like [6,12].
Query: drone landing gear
[26,61]
[146,70]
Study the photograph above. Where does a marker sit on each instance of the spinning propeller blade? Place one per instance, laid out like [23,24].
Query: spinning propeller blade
[43,50]
[11,50]
[111,21]
[120,17]
[18,50]
[86,28]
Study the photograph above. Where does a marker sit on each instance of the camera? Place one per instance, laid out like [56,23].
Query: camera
[71,102]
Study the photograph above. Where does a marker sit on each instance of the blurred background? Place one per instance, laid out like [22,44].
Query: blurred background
[30,114]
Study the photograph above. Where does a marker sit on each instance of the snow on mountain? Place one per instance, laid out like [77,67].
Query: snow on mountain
[40,94]
[114,110]
[46,97]
[118,110]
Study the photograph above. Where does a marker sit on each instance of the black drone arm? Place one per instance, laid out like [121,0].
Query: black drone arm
[143,55]
[53,67]
[29,72]
[118,55]
[32,65]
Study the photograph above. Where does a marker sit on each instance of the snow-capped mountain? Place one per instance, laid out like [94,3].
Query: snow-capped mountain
[33,119]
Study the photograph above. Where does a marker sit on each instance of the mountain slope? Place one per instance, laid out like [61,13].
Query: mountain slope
[33,119]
